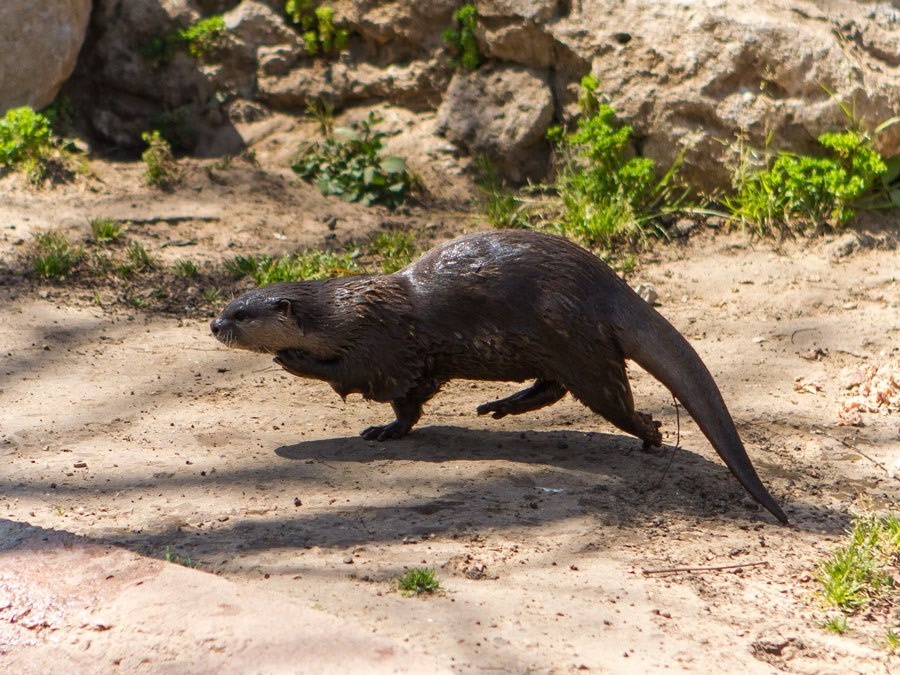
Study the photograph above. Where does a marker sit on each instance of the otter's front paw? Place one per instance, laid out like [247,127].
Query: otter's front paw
[385,432]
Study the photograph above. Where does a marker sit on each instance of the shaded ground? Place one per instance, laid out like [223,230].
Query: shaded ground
[142,432]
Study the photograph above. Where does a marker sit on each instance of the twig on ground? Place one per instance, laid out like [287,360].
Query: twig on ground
[717,568]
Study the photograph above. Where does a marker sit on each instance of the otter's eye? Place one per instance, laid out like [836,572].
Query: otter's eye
[240,316]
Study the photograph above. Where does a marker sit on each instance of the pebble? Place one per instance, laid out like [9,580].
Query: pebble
[348,559]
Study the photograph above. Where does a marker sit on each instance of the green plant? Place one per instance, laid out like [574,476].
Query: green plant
[607,194]
[892,640]
[461,39]
[105,229]
[137,302]
[203,37]
[28,144]
[856,574]
[503,207]
[836,624]
[804,189]
[212,296]
[396,248]
[316,24]
[139,257]
[172,557]
[306,264]
[323,113]
[350,164]
[54,256]
[418,580]
[160,167]
[185,267]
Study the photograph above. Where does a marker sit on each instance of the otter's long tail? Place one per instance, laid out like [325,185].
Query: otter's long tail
[654,344]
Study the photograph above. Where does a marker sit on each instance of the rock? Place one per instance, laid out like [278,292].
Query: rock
[754,66]
[276,60]
[648,293]
[41,41]
[256,24]
[501,111]
[683,227]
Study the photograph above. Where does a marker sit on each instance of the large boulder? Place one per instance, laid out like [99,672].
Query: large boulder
[40,42]
[692,77]
[501,111]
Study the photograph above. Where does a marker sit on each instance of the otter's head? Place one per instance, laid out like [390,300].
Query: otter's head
[262,320]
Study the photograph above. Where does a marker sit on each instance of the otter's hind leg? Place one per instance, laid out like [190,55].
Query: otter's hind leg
[611,397]
[408,410]
[541,393]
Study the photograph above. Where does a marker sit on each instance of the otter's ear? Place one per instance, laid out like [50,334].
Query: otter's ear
[286,308]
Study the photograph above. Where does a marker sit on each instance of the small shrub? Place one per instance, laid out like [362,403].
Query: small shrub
[161,169]
[606,193]
[139,257]
[461,40]
[892,640]
[316,25]
[203,37]
[418,580]
[810,190]
[395,248]
[186,268]
[54,255]
[350,165]
[105,229]
[201,40]
[307,264]
[27,144]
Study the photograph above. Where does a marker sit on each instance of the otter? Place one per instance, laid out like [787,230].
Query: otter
[510,305]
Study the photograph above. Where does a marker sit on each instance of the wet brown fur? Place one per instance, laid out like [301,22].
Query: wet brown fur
[503,305]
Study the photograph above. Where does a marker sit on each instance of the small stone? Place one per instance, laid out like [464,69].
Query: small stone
[80,465]
[648,293]
[348,559]
[297,501]
[683,227]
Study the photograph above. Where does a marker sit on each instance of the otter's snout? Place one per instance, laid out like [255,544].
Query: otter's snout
[216,325]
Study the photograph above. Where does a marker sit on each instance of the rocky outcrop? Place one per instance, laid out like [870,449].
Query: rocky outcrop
[501,111]
[689,77]
[40,43]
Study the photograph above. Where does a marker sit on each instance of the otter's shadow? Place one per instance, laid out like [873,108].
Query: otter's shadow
[626,479]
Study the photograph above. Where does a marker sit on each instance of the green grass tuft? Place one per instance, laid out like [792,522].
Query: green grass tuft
[307,264]
[185,267]
[396,248]
[105,229]
[418,580]
[172,557]
[139,257]
[54,256]
[856,574]
[836,624]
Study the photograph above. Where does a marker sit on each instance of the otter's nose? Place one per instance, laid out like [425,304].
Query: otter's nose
[216,326]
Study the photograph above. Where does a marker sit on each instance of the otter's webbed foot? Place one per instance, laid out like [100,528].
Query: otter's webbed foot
[408,411]
[651,435]
[542,393]
[386,432]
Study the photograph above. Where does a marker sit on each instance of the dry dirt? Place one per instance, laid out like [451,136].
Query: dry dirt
[122,434]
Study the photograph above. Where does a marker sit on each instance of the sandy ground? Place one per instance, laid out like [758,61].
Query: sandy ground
[122,434]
